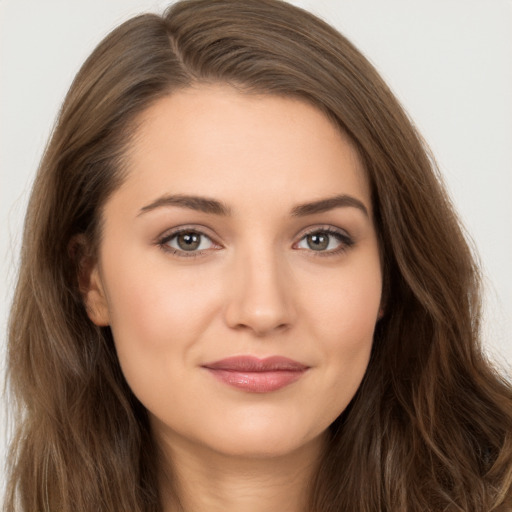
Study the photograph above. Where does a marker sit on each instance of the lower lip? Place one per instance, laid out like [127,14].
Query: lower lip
[257,382]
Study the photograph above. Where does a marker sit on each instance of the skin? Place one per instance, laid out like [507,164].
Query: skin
[256,287]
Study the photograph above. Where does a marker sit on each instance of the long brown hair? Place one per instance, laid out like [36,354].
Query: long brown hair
[430,427]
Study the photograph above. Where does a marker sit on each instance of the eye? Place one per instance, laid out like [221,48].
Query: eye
[326,240]
[186,241]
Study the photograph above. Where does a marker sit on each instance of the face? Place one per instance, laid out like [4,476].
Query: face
[239,271]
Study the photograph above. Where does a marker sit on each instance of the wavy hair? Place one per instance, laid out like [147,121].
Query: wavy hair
[430,427]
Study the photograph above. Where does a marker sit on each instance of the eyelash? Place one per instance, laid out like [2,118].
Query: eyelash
[163,243]
[346,242]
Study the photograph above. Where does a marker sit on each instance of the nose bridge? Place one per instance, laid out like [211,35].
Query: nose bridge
[261,299]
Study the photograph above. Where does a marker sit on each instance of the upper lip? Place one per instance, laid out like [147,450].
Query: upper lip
[255,364]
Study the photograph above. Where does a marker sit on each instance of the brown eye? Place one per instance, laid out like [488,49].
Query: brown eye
[318,241]
[188,241]
[191,242]
[327,241]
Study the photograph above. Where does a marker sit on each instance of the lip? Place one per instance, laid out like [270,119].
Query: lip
[256,375]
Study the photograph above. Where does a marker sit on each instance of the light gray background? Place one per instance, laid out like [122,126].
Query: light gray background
[448,61]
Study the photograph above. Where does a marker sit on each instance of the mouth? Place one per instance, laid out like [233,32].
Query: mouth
[256,375]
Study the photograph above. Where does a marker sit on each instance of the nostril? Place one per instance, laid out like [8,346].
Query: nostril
[260,326]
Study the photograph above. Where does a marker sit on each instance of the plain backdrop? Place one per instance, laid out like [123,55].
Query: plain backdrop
[448,61]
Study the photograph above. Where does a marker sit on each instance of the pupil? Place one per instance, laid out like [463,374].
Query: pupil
[188,241]
[318,242]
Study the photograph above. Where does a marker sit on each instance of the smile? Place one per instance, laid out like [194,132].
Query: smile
[257,375]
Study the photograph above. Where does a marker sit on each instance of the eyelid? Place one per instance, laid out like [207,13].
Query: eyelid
[329,228]
[345,239]
[197,228]
[163,239]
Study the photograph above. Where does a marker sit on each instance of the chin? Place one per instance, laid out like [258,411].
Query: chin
[256,442]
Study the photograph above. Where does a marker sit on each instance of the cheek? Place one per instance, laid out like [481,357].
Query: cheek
[345,305]
[343,317]
[156,318]
[151,304]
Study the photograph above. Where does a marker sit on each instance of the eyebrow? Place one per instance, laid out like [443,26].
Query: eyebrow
[202,204]
[212,206]
[330,203]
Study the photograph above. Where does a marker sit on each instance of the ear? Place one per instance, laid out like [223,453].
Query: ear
[93,293]
[90,283]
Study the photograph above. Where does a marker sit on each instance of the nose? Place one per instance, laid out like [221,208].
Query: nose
[261,296]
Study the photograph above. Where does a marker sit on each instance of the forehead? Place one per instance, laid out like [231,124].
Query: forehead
[240,147]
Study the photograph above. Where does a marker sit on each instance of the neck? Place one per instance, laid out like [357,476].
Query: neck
[207,481]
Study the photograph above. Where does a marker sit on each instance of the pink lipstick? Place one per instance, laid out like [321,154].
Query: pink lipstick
[256,375]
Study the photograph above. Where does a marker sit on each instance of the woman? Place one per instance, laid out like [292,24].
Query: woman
[242,287]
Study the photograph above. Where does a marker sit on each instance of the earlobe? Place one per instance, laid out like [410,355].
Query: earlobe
[94,299]
[90,283]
